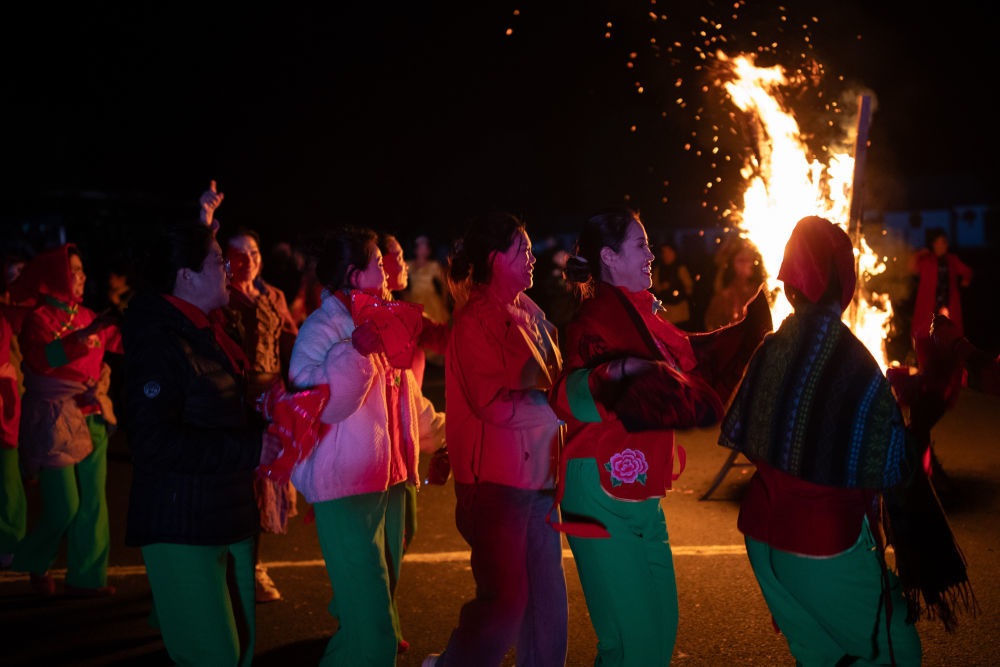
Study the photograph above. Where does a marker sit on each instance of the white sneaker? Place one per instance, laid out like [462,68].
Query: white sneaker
[266,591]
[431,660]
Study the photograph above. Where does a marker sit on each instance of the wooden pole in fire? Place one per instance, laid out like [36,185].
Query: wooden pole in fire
[857,189]
[860,155]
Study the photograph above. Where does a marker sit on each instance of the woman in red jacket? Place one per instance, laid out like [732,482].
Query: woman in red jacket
[941,273]
[64,420]
[631,377]
[502,358]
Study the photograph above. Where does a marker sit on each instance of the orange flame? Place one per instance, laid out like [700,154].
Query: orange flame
[784,185]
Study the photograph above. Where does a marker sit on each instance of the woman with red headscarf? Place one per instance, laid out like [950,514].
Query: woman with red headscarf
[818,418]
[65,414]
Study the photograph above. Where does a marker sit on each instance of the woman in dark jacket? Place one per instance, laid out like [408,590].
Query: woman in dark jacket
[194,451]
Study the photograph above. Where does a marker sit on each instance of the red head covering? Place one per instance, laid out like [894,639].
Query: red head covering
[816,245]
[48,273]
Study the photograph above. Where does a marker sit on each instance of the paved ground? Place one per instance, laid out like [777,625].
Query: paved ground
[723,617]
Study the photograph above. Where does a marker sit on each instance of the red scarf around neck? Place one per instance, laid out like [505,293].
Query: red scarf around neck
[213,320]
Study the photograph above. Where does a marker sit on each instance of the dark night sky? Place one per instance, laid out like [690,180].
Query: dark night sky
[415,117]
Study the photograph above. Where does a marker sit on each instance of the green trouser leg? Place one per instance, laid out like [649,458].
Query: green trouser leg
[351,534]
[89,536]
[74,504]
[395,522]
[193,604]
[60,501]
[410,523]
[832,608]
[13,503]
[628,579]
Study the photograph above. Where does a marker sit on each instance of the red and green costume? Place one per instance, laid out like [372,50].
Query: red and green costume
[618,459]
[63,430]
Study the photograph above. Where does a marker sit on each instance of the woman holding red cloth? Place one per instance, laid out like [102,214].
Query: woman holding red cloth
[267,335]
[65,414]
[361,347]
[631,377]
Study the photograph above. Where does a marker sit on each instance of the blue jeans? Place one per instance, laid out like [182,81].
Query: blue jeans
[520,584]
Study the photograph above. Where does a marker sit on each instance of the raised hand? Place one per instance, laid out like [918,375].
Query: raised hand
[210,200]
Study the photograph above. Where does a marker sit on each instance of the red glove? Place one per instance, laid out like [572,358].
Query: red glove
[366,339]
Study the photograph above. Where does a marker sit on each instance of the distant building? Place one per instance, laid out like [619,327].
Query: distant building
[966,226]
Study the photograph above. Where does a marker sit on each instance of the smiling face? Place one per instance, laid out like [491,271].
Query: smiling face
[514,267]
[78,279]
[248,246]
[395,266]
[630,266]
[372,277]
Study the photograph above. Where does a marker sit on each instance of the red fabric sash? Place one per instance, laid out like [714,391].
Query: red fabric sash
[398,323]
[295,422]
[665,333]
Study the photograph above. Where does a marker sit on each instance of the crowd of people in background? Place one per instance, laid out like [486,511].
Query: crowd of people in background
[256,371]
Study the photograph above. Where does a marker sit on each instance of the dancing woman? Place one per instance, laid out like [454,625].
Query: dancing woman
[502,359]
[630,378]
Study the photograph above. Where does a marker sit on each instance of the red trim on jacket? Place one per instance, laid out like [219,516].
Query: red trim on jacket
[213,320]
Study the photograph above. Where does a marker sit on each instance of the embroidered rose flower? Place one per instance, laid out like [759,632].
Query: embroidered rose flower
[627,466]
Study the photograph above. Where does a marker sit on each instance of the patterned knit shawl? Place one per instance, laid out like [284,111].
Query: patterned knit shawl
[815,404]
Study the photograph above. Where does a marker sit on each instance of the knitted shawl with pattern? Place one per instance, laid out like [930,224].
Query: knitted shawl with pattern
[815,404]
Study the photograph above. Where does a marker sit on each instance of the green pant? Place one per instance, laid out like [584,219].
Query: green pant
[362,541]
[192,602]
[410,522]
[74,504]
[832,608]
[628,579]
[13,504]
